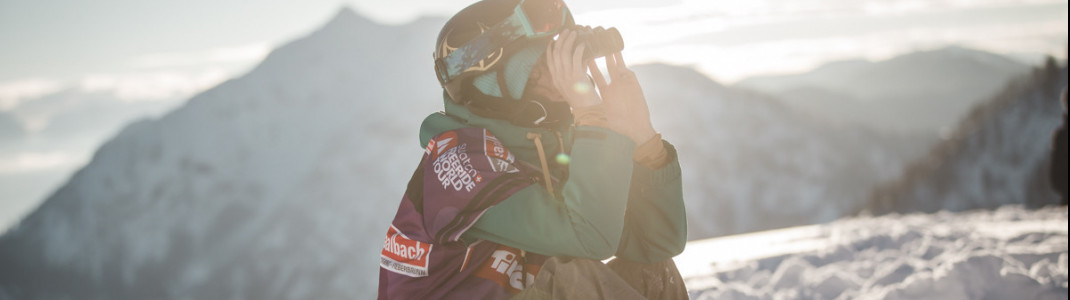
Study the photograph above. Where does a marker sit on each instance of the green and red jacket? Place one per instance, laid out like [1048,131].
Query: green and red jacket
[603,205]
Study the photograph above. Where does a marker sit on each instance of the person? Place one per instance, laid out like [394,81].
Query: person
[535,173]
[1058,157]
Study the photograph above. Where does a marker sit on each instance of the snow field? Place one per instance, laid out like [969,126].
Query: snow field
[1010,253]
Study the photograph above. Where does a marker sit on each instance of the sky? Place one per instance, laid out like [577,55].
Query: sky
[66,63]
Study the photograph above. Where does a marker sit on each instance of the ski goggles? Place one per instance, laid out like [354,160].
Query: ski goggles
[530,19]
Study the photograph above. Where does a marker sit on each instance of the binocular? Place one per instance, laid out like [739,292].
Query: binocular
[600,41]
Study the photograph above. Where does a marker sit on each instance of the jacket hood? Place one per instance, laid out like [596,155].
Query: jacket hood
[514,137]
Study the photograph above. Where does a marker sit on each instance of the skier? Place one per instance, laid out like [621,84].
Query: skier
[531,177]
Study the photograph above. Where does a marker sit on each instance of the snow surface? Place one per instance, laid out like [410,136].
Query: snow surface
[1009,253]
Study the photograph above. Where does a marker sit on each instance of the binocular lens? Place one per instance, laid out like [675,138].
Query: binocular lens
[600,41]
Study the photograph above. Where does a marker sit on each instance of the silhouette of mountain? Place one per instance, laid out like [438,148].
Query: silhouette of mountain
[997,155]
[924,91]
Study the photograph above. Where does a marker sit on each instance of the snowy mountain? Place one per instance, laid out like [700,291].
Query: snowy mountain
[935,88]
[1008,253]
[277,184]
[997,155]
[750,163]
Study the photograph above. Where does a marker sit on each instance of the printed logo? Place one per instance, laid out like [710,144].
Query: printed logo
[444,142]
[500,159]
[452,165]
[506,267]
[403,255]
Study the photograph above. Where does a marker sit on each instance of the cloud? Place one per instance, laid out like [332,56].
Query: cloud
[35,102]
[717,24]
[732,40]
[104,100]
[39,161]
[167,76]
[831,7]
[246,54]
[730,63]
[155,85]
[81,113]
[11,93]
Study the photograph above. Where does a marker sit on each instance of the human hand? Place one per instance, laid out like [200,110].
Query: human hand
[622,97]
[569,72]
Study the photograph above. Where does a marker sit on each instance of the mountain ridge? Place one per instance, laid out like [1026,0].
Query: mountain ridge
[935,88]
[1000,148]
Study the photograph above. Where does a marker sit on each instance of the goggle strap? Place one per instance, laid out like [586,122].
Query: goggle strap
[525,23]
[503,87]
[480,47]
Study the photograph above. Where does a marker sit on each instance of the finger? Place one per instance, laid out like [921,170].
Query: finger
[560,42]
[552,65]
[597,74]
[550,56]
[612,66]
[570,42]
[551,59]
[620,60]
[561,56]
[625,72]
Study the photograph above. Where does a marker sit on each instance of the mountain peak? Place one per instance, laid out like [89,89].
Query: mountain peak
[345,12]
[347,17]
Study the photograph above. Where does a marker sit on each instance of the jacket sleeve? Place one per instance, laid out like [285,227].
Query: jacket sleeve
[655,227]
[587,222]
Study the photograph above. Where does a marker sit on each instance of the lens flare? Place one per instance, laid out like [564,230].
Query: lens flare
[582,87]
[562,159]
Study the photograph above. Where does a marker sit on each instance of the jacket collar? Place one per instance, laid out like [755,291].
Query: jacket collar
[514,137]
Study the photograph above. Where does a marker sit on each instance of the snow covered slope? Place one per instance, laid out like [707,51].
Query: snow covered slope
[1009,253]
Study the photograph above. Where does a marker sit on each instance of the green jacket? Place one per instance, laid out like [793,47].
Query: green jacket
[608,204]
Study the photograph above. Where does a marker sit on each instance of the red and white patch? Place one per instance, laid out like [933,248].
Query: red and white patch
[452,164]
[443,142]
[506,267]
[500,159]
[403,255]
